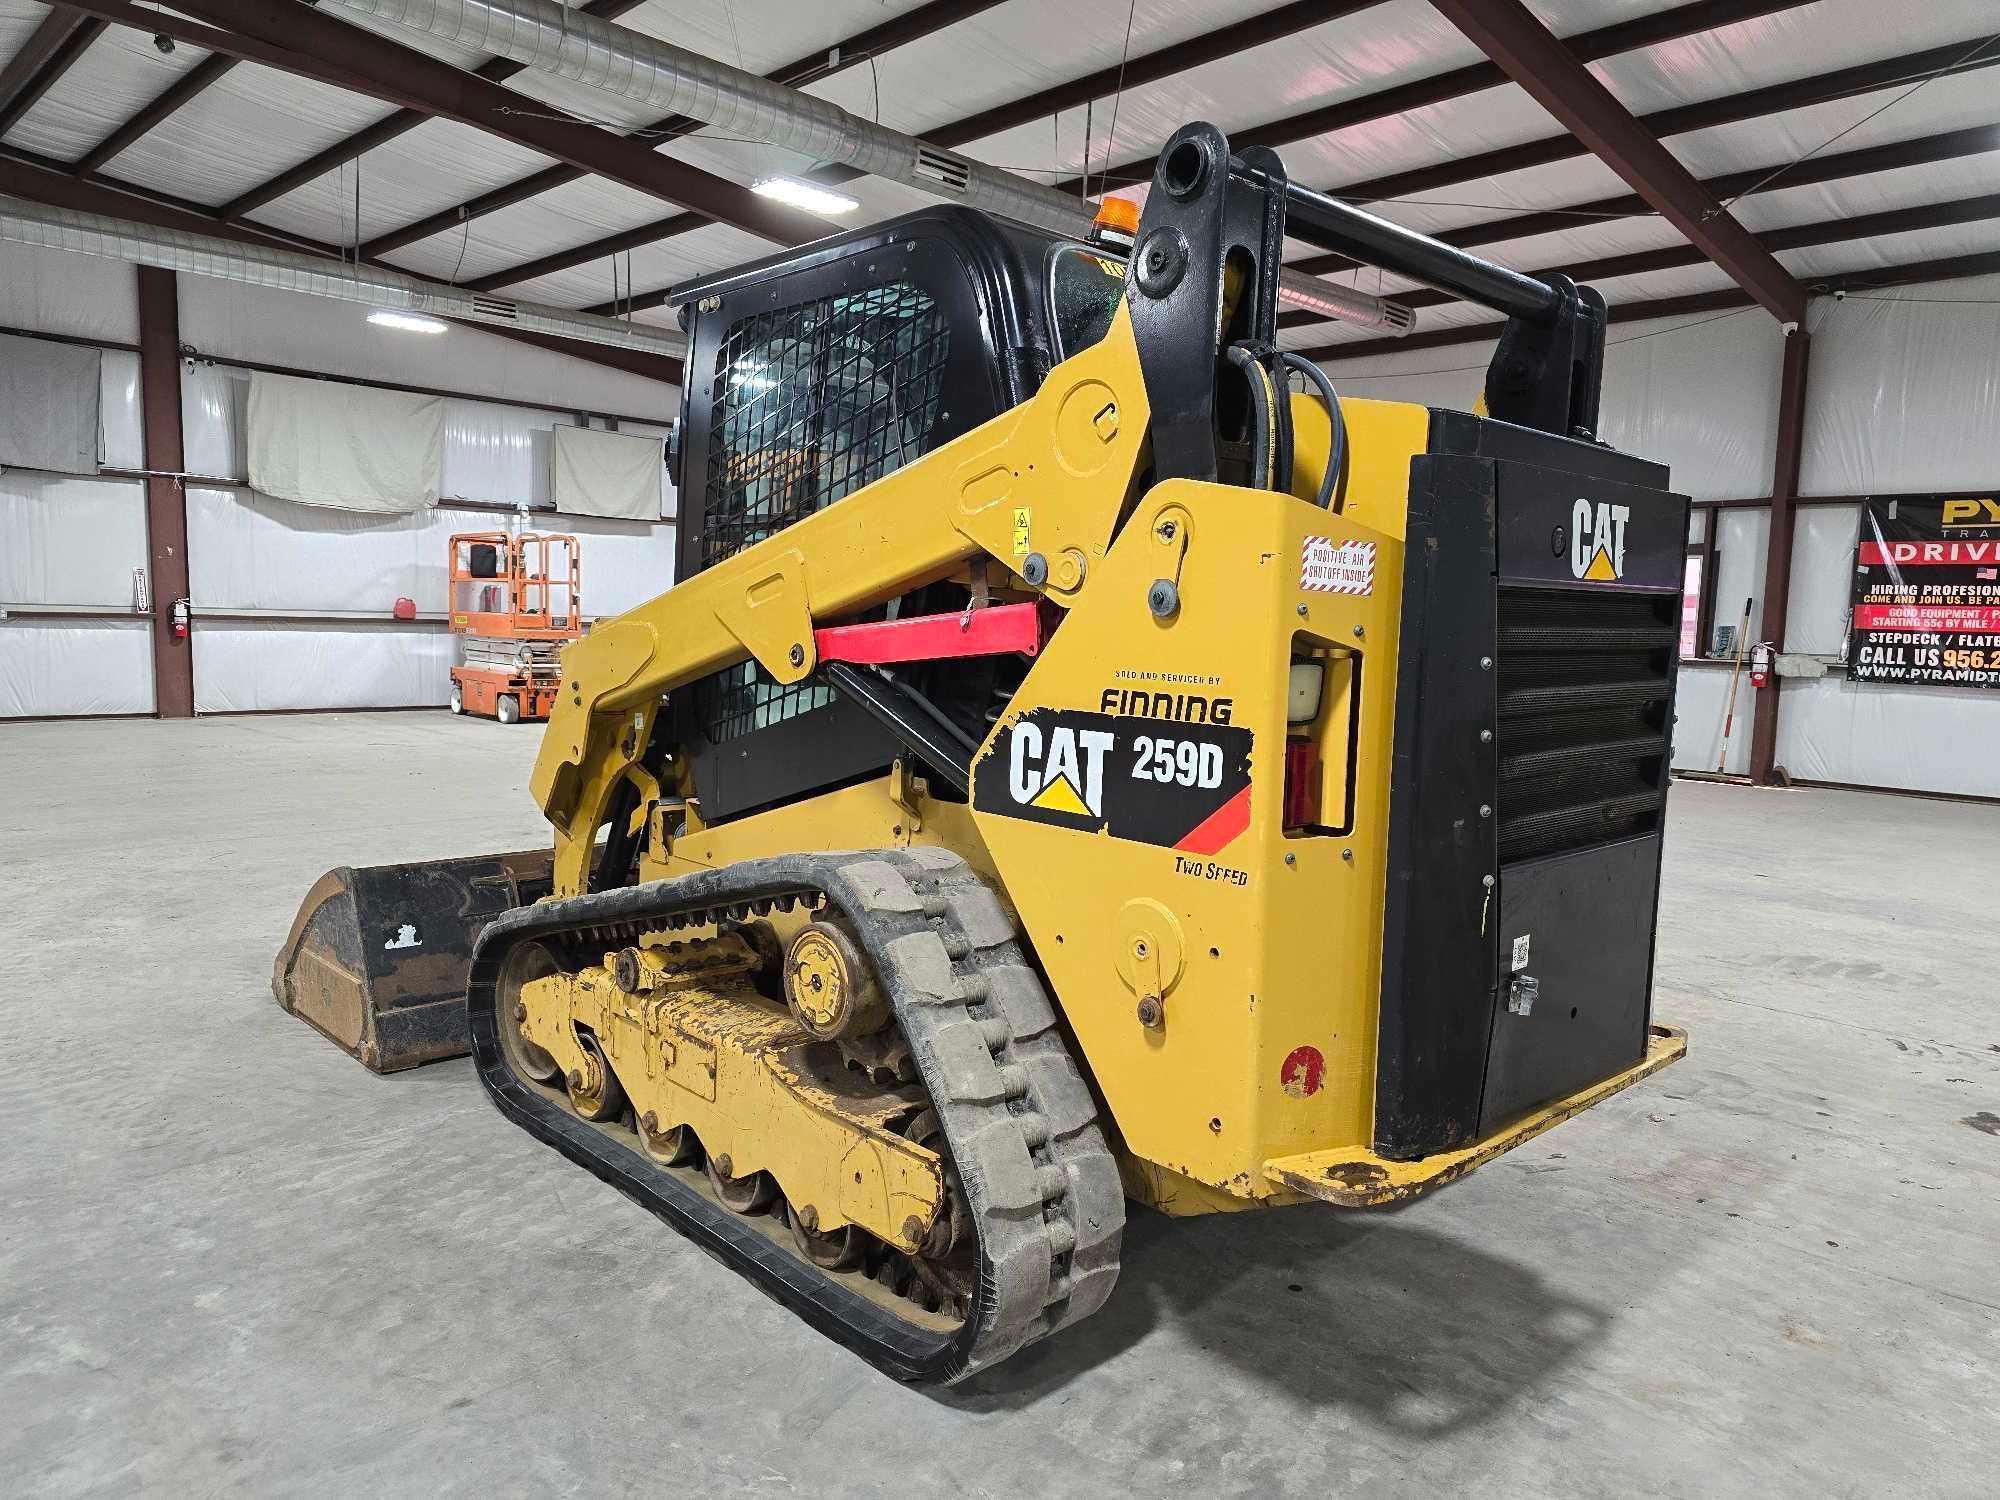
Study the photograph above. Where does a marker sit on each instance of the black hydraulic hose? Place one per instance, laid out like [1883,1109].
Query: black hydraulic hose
[1262,432]
[1281,428]
[1336,453]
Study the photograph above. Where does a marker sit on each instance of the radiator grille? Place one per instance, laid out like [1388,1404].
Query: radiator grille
[811,403]
[1584,682]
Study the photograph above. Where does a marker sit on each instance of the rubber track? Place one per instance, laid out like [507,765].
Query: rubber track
[1040,1183]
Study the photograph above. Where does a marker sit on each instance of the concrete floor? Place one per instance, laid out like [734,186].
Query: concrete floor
[233,1262]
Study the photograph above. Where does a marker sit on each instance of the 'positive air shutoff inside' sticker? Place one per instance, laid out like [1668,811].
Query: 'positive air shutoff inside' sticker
[1330,567]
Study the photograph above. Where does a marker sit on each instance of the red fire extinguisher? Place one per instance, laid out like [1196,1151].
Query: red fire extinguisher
[1760,664]
[180,619]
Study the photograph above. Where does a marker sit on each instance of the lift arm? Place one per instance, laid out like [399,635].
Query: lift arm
[1050,477]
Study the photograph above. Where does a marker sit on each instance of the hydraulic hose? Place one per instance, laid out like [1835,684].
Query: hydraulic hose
[1263,397]
[1336,453]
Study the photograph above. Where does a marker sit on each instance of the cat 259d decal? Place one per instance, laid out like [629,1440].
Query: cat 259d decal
[1153,781]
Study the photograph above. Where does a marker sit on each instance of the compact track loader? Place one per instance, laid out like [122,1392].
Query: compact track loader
[1074,766]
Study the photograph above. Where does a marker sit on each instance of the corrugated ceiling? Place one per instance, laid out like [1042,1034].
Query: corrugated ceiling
[255,122]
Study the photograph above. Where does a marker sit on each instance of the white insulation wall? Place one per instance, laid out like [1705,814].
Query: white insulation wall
[69,545]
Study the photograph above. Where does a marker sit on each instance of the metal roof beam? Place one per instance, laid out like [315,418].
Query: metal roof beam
[174,97]
[1841,231]
[1273,25]
[163,104]
[40,179]
[1400,98]
[1727,109]
[1948,145]
[824,63]
[1946,268]
[497,70]
[1510,35]
[49,52]
[299,40]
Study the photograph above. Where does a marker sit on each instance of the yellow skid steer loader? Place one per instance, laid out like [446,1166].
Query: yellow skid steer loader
[1085,758]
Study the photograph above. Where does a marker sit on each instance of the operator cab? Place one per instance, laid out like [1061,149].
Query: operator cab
[815,372]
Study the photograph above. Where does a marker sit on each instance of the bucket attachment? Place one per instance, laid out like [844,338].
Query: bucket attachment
[377,956]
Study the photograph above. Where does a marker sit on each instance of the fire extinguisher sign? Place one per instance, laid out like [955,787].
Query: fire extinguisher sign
[1926,599]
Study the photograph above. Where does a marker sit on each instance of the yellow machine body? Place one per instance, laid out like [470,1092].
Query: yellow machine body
[1287,827]
[1264,954]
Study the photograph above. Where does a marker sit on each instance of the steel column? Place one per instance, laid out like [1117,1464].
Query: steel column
[166,498]
[1778,552]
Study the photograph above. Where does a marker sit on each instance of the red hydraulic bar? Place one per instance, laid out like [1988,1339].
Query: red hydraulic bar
[981,632]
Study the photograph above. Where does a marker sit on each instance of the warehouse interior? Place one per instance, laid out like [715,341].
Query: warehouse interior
[294,293]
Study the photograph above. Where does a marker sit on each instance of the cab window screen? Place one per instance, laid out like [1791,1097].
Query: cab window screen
[811,403]
[1085,289]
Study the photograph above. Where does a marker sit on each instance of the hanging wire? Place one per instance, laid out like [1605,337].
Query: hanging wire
[464,240]
[1083,182]
[1776,172]
[1117,98]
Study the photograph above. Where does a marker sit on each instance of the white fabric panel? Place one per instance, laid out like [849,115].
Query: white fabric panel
[323,443]
[215,426]
[1701,399]
[624,564]
[498,453]
[52,665]
[669,499]
[244,665]
[608,474]
[80,295]
[1822,561]
[121,430]
[48,405]
[1929,739]
[493,453]
[252,551]
[1701,699]
[1740,539]
[230,321]
[70,541]
[1904,391]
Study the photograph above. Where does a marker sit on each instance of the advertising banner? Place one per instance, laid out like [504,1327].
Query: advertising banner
[1926,601]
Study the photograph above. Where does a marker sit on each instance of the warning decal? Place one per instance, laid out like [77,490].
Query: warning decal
[1330,567]
[1154,781]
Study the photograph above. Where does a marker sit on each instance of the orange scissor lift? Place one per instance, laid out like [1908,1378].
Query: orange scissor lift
[514,600]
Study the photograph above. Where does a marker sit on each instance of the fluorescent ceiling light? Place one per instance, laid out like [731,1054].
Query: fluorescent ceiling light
[814,200]
[408,322]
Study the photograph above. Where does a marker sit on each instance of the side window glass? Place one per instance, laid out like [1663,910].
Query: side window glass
[1084,289]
